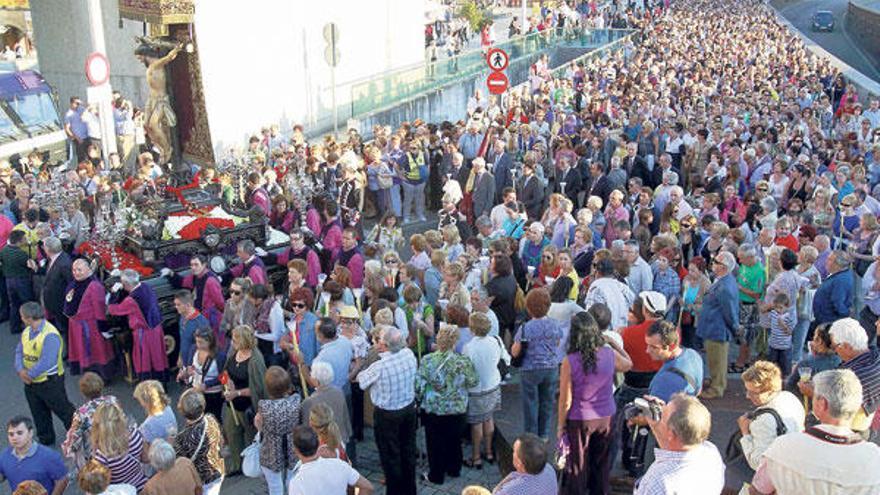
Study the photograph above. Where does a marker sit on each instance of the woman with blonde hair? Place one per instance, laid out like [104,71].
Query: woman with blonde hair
[160,422]
[243,390]
[452,242]
[118,446]
[452,289]
[763,383]
[323,421]
[549,267]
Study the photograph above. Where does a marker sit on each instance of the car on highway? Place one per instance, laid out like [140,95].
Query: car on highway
[823,20]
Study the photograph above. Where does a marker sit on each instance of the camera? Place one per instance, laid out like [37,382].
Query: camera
[649,408]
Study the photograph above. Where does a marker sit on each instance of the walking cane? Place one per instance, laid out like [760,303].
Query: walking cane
[302,377]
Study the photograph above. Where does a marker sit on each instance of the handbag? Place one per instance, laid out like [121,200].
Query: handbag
[250,459]
[503,365]
[563,449]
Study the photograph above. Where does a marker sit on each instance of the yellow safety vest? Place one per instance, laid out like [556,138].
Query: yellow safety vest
[32,349]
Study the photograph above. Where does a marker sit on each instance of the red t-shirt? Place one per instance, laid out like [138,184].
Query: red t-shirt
[634,345]
[788,241]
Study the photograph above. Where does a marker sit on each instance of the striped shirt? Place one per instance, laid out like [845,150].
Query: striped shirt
[866,366]
[127,467]
[781,326]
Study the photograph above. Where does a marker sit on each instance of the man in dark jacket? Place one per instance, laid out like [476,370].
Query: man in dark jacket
[19,281]
[56,272]
[531,190]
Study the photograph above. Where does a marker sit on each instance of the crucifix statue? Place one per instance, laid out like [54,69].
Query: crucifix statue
[159,117]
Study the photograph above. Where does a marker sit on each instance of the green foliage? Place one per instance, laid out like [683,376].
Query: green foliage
[470,11]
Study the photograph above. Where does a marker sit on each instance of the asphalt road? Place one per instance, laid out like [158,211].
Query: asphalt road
[840,43]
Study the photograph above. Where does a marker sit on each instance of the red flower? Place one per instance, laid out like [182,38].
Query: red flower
[224,378]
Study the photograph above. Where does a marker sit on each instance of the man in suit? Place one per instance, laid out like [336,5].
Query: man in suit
[636,166]
[570,184]
[609,146]
[531,190]
[599,185]
[56,273]
[502,163]
[483,195]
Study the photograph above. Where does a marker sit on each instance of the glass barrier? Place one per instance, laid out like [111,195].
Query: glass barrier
[392,87]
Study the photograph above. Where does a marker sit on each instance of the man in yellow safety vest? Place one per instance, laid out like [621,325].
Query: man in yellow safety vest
[39,364]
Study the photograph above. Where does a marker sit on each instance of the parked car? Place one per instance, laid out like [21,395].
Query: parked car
[823,20]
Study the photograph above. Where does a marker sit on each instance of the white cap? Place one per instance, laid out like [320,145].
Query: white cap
[653,301]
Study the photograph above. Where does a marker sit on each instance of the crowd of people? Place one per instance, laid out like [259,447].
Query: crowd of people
[604,237]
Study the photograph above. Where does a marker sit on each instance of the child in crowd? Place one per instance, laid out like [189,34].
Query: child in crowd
[782,320]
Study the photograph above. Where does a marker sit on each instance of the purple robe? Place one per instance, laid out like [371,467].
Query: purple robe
[145,320]
[85,307]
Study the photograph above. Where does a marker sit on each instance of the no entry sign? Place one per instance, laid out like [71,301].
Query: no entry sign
[497,83]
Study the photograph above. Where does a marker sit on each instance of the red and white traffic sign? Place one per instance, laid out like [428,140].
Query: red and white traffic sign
[97,69]
[497,59]
[497,83]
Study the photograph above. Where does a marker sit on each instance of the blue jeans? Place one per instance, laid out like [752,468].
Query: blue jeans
[782,358]
[798,339]
[538,399]
[413,193]
[395,200]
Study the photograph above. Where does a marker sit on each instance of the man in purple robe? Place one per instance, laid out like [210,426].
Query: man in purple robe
[251,265]
[138,303]
[351,257]
[86,310]
[208,292]
[299,250]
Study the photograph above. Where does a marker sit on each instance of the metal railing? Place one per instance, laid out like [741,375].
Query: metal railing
[393,87]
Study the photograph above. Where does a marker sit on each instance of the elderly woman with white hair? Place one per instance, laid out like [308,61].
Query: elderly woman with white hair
[173,474]
[614,212]
[719,321]
[326,393]
[138,302]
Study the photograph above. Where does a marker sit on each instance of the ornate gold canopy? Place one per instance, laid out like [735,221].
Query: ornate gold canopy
[163,12]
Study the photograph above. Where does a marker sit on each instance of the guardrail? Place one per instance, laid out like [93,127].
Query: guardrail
[393,87]
[865,85]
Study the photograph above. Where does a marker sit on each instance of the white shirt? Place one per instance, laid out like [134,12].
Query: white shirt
[323,476]
[800,463]
[484,352]
[277,329]
[617,296]
[562,312]
[762,431]
[699,471]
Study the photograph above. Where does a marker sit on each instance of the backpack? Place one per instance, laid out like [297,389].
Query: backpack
[734,452]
